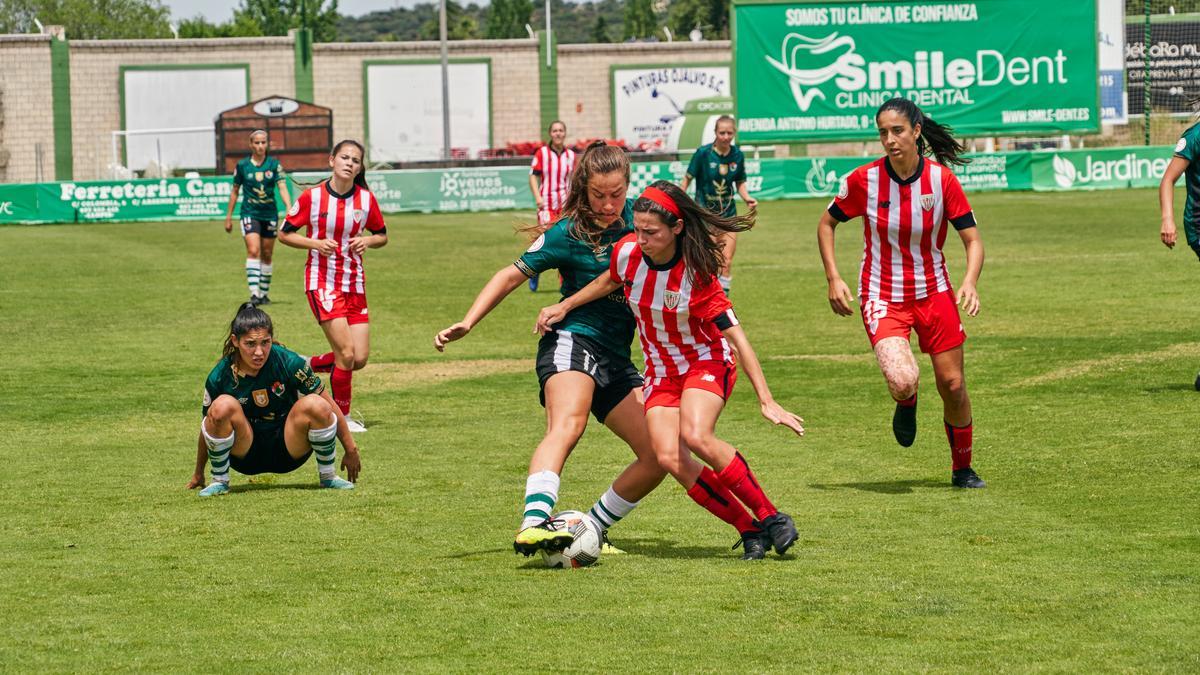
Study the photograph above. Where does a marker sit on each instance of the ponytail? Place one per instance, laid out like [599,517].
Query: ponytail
[703,254]
[249,317]
[935,139]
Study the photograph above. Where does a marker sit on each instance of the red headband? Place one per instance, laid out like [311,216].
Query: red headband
[662,199]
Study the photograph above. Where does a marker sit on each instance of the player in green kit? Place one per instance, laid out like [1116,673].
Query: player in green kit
[719,170]
[1186,163]
[584,364]
[265,411]
[258,175]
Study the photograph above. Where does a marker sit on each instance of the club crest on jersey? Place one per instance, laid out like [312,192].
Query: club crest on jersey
[358,216]
[269,174]
[670,299]
[277,389]
[723,169]
[927,202]
[258,176]
[260,397]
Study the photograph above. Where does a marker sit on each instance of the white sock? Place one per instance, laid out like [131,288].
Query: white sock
[725,281]
[218,454]
[264,279]
[541,493]
[253,272]
[324,445]
[611,508]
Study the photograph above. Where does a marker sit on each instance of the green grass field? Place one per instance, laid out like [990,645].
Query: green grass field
[1081,554]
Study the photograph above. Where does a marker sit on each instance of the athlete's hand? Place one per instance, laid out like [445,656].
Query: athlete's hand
[327,247]
[752,203]
[351,464]
[228,224]
[456,332]
[775,414]
[541,203]
[196,481]
[1168,233]
[358,245]
[840,298]
[548,317]
[968,299]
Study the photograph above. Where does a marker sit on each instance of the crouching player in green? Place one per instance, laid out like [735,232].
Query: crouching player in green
[265,411]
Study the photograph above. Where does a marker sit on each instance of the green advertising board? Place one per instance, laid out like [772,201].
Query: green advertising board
[819,71]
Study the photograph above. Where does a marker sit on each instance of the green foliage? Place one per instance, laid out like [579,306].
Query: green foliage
[640,21]
[1079,556]
[277,17]
[89,19]
[507,18]
[711,16]
[239,26]
[600,31]
[460,25]
[572,22]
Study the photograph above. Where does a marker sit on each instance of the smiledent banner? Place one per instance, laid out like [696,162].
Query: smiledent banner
[819,71]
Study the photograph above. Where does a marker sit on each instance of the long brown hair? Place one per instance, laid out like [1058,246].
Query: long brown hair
[249,317]
[703,253]
[598,158]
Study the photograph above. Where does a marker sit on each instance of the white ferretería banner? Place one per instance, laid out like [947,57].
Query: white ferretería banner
[650,102]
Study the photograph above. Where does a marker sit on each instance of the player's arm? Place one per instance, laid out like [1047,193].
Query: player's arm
[687,180]
[1166,199]
[840,298]
[197,479]
[968,296]
[536,188]
[503,282]
[233,197]
[377,231]
[600,287]
[744,193]
[748,360]
[292,237]
[283,192]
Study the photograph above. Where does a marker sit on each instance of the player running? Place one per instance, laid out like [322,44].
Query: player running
[584,365]
[689,334]
[265,411]
[341,220]
[549,179]
[259,174]
[906,202]
[719,170]
[1184,163]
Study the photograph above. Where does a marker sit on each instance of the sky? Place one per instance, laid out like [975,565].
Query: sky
[218,11]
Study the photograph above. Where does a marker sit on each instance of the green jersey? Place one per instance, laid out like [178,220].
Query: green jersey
[717,177]
[258,187]
[607,320]
[1188,148]
[267,397]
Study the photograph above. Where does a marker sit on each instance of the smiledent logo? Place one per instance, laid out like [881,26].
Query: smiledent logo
[810,63]
[1130,167]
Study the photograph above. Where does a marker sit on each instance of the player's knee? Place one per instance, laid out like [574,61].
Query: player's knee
[699,440]
[902,382]
[266,257]
[567,429]
[360,362]
[315,405]
[952,388]
[224,407]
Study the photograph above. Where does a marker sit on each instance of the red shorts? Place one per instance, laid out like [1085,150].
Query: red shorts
[935,319]
[547,217]
[715,376]
[328,305]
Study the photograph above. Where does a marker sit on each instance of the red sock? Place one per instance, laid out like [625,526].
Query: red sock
[741,481]
[960,445]
[322,363]
[712,494]
[909,402]
[339,382]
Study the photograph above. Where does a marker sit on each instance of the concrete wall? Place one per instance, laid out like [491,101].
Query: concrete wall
[26,117]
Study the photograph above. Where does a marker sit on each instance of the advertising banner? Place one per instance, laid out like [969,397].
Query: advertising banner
[1174,62]
[1100,169]
[19,204]
[1113,100]
[813,71]
[651,102]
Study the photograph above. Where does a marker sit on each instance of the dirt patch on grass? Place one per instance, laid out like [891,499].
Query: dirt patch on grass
[1116,362]
[834,358]
[395,376]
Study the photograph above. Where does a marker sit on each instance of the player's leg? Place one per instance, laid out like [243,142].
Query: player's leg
[568,399]
[729,247]
[253,262]
[628,421]
[956,409]
[311,426]
[266,258]
[899,367]
[341,342]
[226,433]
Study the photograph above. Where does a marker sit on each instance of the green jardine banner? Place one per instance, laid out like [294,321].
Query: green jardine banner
[819,71]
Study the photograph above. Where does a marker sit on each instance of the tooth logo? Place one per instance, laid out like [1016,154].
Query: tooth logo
[809,63]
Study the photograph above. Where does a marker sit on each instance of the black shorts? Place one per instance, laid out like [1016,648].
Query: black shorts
[263,228]
[615,376]
[1196,249]
[268,454]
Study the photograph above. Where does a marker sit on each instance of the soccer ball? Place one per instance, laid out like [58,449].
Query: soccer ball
[585,550]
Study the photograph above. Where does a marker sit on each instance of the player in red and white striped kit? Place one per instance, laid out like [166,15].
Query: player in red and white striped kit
[341,220]
[691,341]
[550,180]
[908,204]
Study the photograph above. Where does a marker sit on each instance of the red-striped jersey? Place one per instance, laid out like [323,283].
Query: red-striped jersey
[904,227]
[326,214]
[555,170]
[679,322]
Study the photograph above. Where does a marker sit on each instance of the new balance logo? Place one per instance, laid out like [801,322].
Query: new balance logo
[884,205]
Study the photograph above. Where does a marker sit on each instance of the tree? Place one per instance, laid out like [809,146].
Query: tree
[640,21]
[277,17]
[89,19]
[199,27]
[459,24]
[600,30]
[507,18]
[711,16]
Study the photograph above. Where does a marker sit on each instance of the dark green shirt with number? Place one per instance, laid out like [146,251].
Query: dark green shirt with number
[717,177]
[1188,148]
[607,320]
[267,397]
[258,187]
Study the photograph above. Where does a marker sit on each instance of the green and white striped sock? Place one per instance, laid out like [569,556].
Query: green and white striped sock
[253,273]
[611,508]
[324,445]
[541,492]
[218,454]
[264,279]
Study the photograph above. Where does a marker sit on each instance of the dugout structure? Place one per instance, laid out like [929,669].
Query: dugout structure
[301,133]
